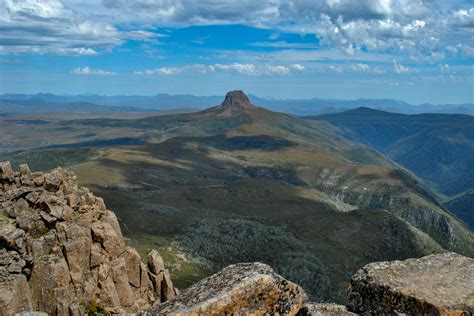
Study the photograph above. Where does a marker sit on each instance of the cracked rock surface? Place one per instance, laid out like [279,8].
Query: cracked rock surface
[62,252]
[433,285]
[244,289]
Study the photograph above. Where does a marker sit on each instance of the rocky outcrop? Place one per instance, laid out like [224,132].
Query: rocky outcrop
[244,289]
[235,102]
[62,251]
[14,293]
[432,285]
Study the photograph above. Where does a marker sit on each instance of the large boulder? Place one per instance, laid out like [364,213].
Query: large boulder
[432,285]
[244,288]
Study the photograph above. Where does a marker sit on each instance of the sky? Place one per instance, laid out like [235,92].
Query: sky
[412,50]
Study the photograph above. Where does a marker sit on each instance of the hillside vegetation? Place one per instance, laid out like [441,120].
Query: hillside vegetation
[438,148]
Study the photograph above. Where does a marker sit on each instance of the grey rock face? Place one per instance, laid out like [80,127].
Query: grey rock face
[432,285]
[31,313]
[14,294]
[313,309]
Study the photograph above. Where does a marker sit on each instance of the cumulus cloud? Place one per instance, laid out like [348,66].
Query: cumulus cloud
[336,69]
[297,67]
[256,70]
[163,71]
[244,69]
[355,68]
[76,51]
[463,18]
[416,28]
[361,67]
[277,70]
[444,68]
[400,69]
[87,71]
[236,68]
[47,26]
[182,12]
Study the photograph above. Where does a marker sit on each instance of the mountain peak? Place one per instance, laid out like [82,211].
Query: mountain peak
[237,99]
[235,102]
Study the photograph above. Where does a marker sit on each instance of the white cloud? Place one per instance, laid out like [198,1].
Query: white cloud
[400,69]
[244,69]
[87,71]
[361,67]
[297,67]
[163,71]
[444,68]
[356,67]
[336,69]
[418,29]
[463,18]
[276,70]
[47,26]
[236,68]
[76,51]
[142,35]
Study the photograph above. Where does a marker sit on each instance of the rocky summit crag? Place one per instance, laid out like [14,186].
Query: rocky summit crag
[62,251]
[235,102]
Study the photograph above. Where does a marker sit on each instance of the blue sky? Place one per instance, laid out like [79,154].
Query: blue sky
[413,50]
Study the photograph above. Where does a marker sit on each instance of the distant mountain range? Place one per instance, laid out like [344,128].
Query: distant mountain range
[292,106]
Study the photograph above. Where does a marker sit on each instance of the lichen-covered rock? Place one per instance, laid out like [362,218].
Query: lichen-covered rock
[155,262]
[160,277]
[31,313]
[313,309]
[133,266]
[432,285]
[14,294]
[244,289]
[51,282]
[6,171]
[63,241]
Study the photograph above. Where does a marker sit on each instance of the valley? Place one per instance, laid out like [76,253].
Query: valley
[239,183]
[438,148]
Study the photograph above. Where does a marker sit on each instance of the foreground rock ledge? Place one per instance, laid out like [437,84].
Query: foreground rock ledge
[245,288]
[433,285]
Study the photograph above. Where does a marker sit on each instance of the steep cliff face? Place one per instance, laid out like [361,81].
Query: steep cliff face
[62,251]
